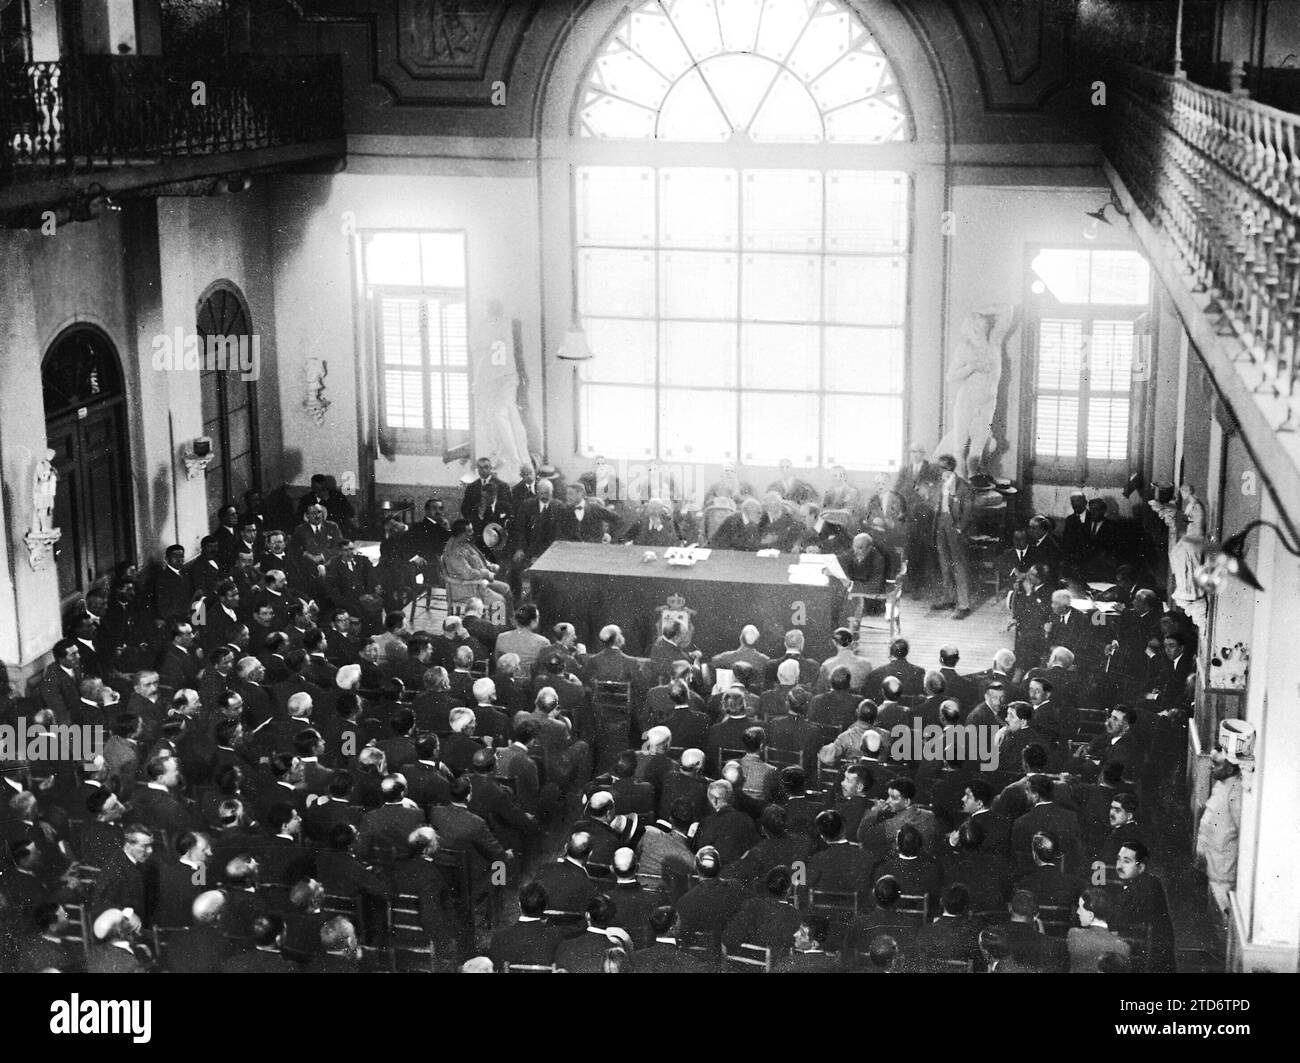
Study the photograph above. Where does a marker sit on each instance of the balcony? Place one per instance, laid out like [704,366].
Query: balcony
[1216,180]
[100,114]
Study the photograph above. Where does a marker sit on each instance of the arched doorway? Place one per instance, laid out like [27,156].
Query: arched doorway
[85,423]
[229,401]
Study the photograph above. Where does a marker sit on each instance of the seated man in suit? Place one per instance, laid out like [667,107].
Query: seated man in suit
[741,530]
[462,561]
[529,940]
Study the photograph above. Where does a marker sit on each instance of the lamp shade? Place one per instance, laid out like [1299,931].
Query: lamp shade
[574,348]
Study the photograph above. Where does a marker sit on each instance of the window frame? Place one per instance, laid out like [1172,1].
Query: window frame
[1081,470]
[428,438]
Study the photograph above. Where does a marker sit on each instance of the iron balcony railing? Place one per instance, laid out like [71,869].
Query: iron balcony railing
[1220,175]
[101,111]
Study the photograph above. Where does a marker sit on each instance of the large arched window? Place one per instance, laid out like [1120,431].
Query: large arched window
[745,293]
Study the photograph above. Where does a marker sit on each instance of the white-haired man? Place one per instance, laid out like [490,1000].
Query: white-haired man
[491,724]
[746,651]
[742,530]
[611,664]
[655,528]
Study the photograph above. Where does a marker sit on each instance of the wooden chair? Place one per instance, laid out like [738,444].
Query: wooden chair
[841,903]
[891,621]
[78,928]
[725,755]
[828,778]
[699,943]
[411,948]
[459,591]
[1056,919]
[784,758]
[349,907]
[611,703]
[749,958]
[455,867]
[162,938]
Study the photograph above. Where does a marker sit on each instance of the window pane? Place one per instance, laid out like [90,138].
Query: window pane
[1110,366]
[650,32]
[618,422]
[739,21]
[864,359]
[828,37]
[616,283]
[779,29]
[866,211]
[697,208]
[392,258]
[450,392]
[776,426]
[448,334]
[782,287]
[403,399]
[624,73]
[691,113]
[208,385]
[400,332]
[788,115]
[698,425]
[616,205]
[443,258]
[1056,431]
[872,121]
[856,73]
[866,291]
[1108,428]
[699,354]
[779,356]
[605,116]
[739,83]
[697,284]
[697,22]
[863,432]
[783,210]
[1065,273]
[1060,354]
[625,351]
[1120,277]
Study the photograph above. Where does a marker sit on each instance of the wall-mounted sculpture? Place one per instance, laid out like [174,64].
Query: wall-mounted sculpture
[314,372]
[43,534]
[973,378]
[499,432]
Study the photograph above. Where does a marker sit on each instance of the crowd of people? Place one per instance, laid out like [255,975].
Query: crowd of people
[295,779]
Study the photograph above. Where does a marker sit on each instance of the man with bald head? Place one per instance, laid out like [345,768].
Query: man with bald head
[710,905]
[611,664]
[774,702]
[746,651]
[566,882]
[202,948]
[865,566]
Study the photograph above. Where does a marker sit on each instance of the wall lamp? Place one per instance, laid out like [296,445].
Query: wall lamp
[1229,560]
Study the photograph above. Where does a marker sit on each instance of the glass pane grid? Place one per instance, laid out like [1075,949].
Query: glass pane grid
[736,352]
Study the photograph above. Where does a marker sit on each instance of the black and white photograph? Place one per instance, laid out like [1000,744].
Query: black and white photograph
[373,371]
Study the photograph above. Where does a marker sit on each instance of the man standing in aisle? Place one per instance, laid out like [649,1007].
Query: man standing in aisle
[954,513]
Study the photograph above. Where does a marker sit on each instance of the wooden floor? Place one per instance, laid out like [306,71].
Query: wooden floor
[978,637]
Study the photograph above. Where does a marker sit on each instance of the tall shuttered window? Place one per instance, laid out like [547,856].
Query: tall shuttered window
[416,286]
[1090,364]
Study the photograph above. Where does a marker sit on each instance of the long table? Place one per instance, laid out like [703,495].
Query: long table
[591,585]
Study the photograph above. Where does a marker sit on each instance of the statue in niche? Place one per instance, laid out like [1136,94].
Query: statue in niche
[42,536]
[1186,520]
[445,32]
[499,432]
[973,377]
[45,485]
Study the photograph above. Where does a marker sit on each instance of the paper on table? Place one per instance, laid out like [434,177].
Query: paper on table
[1101,588]
[725,677]
[807,576]
[700,553]
[1087,605]
[769,553]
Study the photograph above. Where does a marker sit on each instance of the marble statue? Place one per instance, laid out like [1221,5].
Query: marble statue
[499,429]
[973,379]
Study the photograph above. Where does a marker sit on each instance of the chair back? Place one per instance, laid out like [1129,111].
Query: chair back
[914,904]
[784,758]
[78,927]
[748,957]
[951,966]
[459,591]
[1057,919]
[842,902]
[410,946]
[715,513]
[614,695]
[530,968]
